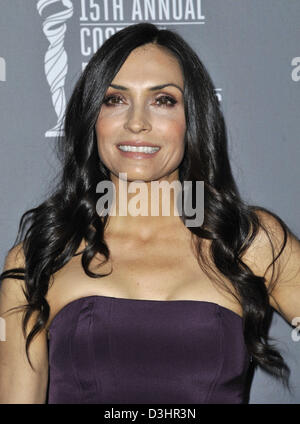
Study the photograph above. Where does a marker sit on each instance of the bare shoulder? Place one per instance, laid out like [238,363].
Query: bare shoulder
[12,289]
[20,383]
[282,278]
[268,243]
[10,286]
[15,257]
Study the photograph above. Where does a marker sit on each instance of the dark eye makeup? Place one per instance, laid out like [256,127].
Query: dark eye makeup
[168,101]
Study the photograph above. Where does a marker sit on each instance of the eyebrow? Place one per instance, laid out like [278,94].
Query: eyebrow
[156,87]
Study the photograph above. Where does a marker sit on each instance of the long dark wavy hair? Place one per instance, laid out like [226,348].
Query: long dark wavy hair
[57,226]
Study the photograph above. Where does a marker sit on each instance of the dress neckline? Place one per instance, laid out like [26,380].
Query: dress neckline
[124,299]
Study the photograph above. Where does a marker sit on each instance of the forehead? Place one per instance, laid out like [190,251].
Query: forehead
[150,63]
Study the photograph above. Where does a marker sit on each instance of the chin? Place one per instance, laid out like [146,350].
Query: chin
[134,176]
[140,177]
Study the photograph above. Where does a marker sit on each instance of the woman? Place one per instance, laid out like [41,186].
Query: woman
[180,312]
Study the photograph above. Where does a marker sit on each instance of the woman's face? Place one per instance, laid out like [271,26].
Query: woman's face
[134,113]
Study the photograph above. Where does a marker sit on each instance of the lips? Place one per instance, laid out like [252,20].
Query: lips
[138,149]
[137,143]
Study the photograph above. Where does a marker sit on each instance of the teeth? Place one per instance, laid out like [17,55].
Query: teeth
[142,149]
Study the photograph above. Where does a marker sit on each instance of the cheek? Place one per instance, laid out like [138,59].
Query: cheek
[174,131]
[104,127]
[109,123]
[103,135]
[106,130]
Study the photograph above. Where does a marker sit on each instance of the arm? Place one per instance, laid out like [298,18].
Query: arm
[18,382]
[284,294]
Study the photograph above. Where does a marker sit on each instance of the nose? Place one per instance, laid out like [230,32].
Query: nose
[136,120]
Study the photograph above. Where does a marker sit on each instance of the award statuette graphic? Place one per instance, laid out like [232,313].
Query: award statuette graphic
[56,60]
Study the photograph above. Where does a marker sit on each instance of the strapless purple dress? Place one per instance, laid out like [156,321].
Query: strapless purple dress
[108,350]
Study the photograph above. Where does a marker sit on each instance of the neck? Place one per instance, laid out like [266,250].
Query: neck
[143,209]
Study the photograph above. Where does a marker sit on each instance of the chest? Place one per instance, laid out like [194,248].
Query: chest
[163,270]
[159,267]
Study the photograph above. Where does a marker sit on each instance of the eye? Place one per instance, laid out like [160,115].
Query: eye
[167,99]
[164,100]
[111,97]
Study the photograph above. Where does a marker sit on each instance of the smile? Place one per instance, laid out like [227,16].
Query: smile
[138,149]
